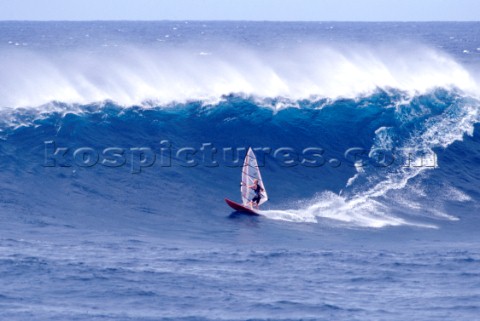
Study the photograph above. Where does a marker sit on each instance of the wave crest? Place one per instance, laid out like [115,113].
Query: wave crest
[135,76]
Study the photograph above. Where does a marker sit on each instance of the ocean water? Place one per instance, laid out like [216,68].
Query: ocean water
[120,140]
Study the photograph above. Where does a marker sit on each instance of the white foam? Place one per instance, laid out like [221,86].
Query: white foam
[356,212]
[134,76]
[457,195]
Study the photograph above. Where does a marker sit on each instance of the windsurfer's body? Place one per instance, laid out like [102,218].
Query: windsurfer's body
[257,189]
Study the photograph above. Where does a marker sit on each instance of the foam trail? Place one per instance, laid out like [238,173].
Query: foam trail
[146,76]
[329,208]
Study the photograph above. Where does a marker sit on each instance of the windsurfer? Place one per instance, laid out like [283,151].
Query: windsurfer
[257,189]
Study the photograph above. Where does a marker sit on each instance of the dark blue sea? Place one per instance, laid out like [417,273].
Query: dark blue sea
[120,140]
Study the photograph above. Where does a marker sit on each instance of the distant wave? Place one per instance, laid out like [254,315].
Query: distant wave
[148,77]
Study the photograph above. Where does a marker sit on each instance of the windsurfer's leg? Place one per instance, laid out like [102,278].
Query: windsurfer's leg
[255,202]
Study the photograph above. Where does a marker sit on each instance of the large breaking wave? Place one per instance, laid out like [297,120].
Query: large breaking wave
[347,195]
[397,98]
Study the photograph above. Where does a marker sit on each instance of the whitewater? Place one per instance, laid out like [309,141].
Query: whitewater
[135,76]
[111,198]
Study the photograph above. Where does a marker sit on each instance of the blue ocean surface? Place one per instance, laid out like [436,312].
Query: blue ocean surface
[120,140]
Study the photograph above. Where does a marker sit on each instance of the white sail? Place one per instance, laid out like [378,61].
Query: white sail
[250,172]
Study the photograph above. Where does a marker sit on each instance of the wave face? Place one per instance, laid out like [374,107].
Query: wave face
[119,142]
[366,162]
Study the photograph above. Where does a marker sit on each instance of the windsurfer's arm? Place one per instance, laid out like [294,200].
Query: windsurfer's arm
[248,186]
